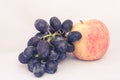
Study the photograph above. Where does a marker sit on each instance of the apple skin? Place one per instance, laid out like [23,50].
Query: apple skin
[94,42]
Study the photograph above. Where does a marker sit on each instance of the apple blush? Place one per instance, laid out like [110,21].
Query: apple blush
[94,42]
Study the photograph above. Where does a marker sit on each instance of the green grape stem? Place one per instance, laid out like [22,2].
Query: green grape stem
[52,36]
[49,36]
[36,55]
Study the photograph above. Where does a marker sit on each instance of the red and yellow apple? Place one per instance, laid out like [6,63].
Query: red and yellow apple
[94,42]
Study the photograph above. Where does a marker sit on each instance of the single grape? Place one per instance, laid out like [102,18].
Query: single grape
[39,35]
[23,59]
[67,25]
[61,57]
[59,43]
[74,36]
[61,46]
[43,48]
[53,55]
[56,39]
[39,69]
[51,29]
[41,25]
[30,51]
[33,41]
[32,63]
[70,47]
[51,67]
[55,23]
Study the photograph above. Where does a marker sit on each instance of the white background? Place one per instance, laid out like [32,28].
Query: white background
[17,26]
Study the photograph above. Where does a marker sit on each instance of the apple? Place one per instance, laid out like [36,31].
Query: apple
[94,42]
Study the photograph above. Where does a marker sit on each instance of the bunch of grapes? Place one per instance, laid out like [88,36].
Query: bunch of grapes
[49,46]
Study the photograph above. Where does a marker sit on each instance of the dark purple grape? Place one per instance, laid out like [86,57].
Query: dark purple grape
[74,36]
[57,38]
[23,59]
[30,51]
[61,57]
[60,44]
[32,63]
[67,25]
[43,48]
[33,41]
[39,69]
[53,55]
[70,47]
[41,25]
[51,29]
[51,67]
[39,35]
[55,23]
